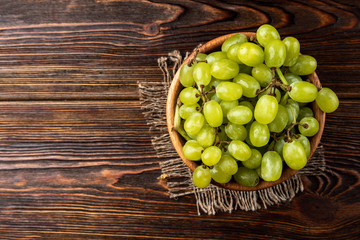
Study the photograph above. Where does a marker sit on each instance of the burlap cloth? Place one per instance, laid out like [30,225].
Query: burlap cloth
[212,199]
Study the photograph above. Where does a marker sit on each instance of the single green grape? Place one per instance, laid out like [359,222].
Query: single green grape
[304,141]
[327,100]
[262,74]
[222,133]
[291,78]
[250,54]
[266,109]
[308,126]
[213,113]
[279,145]
[201,177]
[192,150]
[271,166]
[266,33]
[304,65]
[202,74]
[187,110]
[201,57]
[292,108]
[206,136]
[224,69]
[232,53]
[303,92]
[240,115]
[245,69]
[247,104]
[259,134]
[248,83]
[229,91]
[228,164]
[239,150]
[194,123]
[254,161]
[294,155]
[186,75]
[234,39]
[236,131]
[305,112]
[280,121]
[218,175]
[189,96]
[211,156]
[215,56]
[275,53]
[292,50]
[246,177]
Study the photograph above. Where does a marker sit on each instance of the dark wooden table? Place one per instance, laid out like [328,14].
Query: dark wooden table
[76,160]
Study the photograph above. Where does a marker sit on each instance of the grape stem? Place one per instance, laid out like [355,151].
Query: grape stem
[281,76]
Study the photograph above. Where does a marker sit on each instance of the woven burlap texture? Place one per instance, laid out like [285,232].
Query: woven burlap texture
[210,200]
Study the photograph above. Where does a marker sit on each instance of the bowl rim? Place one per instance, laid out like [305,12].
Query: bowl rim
[178,141]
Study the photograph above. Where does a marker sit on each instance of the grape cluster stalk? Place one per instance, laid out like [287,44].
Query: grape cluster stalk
[244,110]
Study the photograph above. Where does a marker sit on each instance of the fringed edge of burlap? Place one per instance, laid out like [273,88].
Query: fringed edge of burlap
[153,96]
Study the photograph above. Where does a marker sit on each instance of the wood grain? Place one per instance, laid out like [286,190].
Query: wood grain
[76,159]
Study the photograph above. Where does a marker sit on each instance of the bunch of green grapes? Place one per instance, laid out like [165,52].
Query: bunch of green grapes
[244,111]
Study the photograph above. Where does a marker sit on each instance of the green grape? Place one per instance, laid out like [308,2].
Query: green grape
[294,155]
[201,177]
[327,100]
[228,165]
[254,161]
[248,83]
[291,78]
[303,92]
[206,136]
[187,110]
[234,39]
[186,76]
[279,145]
[258,171]
[202,74]
[211,156]
[219,176]
[232,53]
[304,65]
[308,126]
[292,108]
[240,115]
[277,94]
[229,91]
[247,104]
[271,166]
[227,105]
[259,134]
[213,113]
[246,177]
[250,54]
[305,112]
[262,74]
[216,98]
[304,142]
[292,50]
[194,123]
[224,69]
[222,134]
[236,131]
[192,150]
[266,109]
[266,33]
[247,127]
[201,57]
[280,121]
[245,69]
[239,150]
[215,56]
[213,83]
[275,53]
[189,96]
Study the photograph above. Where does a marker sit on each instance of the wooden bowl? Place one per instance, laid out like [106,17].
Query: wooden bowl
[178,141]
